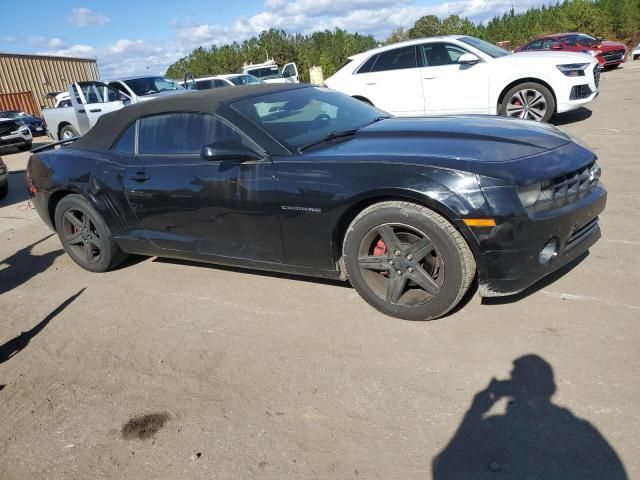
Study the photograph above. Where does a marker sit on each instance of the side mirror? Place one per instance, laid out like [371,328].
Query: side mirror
[468,59]
[228,150]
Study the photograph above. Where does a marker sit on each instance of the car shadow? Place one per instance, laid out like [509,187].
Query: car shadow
[17,344]
[17,190]
[251,271]
[24,265]
[533,438]
[539,285]
[577,115]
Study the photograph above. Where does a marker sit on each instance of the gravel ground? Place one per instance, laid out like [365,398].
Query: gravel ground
[169,369]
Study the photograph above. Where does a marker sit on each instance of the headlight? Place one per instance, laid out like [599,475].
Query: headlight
[529,194]
[573,69]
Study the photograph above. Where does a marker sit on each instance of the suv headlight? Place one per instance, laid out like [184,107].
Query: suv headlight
[573,69]
[529,194]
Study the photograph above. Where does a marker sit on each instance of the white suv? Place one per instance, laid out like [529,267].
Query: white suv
[461,74]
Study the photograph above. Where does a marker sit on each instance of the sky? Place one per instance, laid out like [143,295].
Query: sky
[146,36]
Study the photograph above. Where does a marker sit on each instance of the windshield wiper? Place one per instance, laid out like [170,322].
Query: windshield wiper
[328,137]
[339,134]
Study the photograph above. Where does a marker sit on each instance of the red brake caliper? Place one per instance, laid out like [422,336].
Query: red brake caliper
[380,250]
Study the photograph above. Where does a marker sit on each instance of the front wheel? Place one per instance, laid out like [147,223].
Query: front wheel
[68,132]
[85,236]
[407,261]
[528,101]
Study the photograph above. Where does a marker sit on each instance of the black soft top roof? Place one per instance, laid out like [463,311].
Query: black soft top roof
[109,126]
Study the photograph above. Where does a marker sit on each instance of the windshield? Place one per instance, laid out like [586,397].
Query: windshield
[265,72]
[244,80]
[485,47]
[306,115]
[13,114]
[580,39]
[150,85]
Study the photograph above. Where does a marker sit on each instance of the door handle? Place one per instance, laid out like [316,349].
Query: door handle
[140,177]
[96,110]
[370,83]
[430,78]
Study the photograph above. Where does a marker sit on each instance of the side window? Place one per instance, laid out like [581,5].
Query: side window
[219,83]
[438,54]
[182,133]
[98,92]
[398,59]
[368,65]
[537,45]
[549,43]
[127,141]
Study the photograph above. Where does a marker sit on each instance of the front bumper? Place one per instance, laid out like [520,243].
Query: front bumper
[20,138]
[512,249]
[588,86]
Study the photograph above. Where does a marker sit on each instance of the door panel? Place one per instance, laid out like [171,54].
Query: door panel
[97,98]
[450,87]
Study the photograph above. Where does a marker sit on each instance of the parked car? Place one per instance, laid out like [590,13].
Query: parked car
[35,124]
[609,54]
[269,72]
[141,89]
[307,180]
[635,53]
[60,99]
[461,74]
[89,101]
[218,81]
[15,133]
[4,179]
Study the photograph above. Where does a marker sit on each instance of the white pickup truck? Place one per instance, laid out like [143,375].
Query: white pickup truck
[78,109]
[269,72]
[89,100]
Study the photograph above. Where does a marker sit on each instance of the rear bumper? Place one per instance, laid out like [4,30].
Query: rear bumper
[511,265]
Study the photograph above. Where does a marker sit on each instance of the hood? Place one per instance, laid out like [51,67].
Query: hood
[499,147]
[607,45]
[562,56]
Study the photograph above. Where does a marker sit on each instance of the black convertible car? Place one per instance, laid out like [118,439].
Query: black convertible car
[305,180]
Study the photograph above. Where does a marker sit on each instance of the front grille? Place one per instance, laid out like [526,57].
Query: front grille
[566,189]
[613,55]
[581,233]
[579,92]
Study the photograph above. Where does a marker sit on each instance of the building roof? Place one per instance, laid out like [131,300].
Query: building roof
[109,127]
[47,57]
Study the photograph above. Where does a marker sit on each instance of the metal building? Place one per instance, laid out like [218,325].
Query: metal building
[39,74]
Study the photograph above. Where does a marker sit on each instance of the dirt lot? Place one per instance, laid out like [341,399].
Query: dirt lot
[167,369]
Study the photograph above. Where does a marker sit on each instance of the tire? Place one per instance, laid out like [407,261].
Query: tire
[68,132]
[528,93]
[391,276]
[93,249]
[4,189]
[26,147]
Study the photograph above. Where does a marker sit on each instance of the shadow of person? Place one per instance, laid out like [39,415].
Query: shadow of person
[534,439]
[14,346]
[24,265]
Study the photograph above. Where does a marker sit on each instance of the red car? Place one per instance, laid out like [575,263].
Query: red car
[609,54]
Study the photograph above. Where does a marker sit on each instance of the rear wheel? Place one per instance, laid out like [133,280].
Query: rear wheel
[85,236]
[68,132]
[407,261]
[529,101]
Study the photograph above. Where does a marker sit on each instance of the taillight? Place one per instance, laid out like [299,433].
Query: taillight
[30,186]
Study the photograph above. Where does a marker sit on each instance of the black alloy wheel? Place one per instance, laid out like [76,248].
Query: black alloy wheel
[85,236]
[407,261]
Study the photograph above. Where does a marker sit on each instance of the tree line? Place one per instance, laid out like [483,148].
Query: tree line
[616,19]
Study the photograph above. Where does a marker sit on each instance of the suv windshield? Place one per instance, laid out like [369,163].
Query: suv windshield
[580,39]
[150,85]
[485,47]
[306,115]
